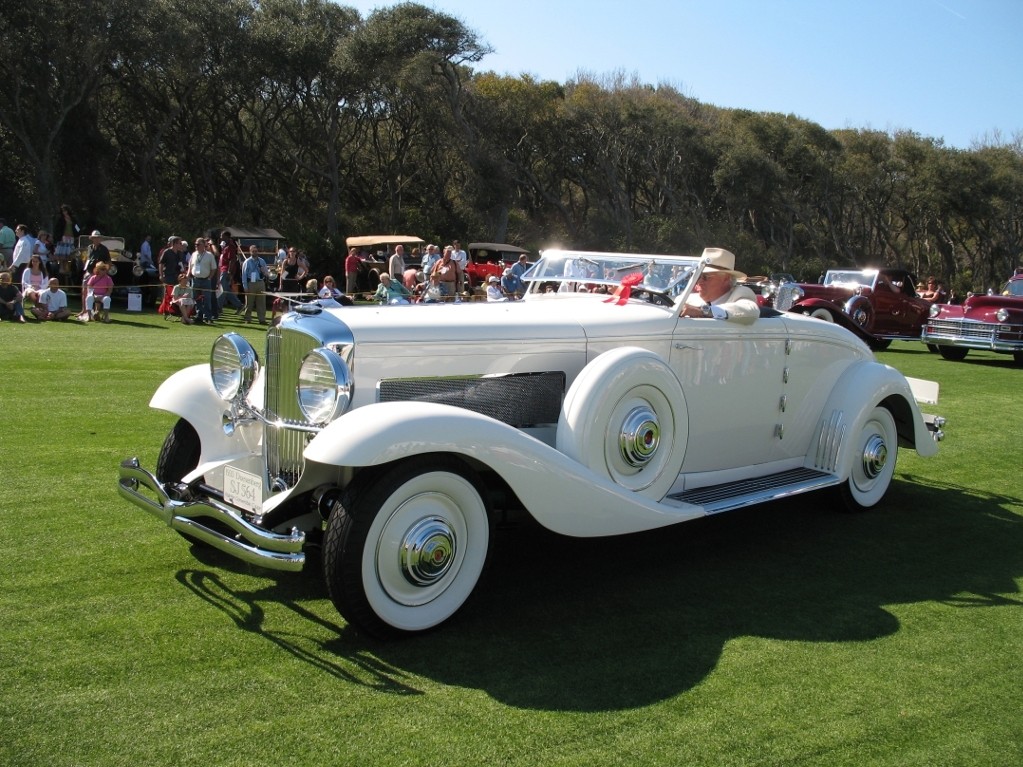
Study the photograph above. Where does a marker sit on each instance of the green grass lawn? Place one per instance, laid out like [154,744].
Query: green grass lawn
[789,634]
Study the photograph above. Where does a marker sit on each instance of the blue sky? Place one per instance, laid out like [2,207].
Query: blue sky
[948,69]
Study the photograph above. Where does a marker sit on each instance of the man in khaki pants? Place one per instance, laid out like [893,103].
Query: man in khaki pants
[254,285]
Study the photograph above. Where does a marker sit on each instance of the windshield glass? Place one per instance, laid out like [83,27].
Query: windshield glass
[1013,288]
[569,271]
[865,279]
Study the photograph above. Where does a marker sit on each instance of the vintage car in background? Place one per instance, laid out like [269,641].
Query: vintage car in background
[124,267]
[991,323]
[881,302]
[392,438]
[490,259]
[267,241]
[376,250]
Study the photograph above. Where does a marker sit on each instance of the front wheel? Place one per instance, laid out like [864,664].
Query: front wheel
[179,454]
[822,314]
[953,353]
[404,551]
[873,464]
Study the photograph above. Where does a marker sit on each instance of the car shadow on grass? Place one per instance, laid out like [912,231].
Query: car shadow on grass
[632,620]
[616,623]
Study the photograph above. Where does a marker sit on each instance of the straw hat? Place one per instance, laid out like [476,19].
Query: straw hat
[721,260]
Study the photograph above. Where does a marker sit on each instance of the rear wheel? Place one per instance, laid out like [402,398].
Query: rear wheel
[875,451]
[404,551]
[954,353]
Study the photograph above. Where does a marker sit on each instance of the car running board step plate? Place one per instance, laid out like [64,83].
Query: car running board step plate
[734,495]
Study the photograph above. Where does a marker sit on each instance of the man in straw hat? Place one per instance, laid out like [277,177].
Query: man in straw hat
[718,295]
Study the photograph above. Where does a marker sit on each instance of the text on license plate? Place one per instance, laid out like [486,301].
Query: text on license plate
[243,489]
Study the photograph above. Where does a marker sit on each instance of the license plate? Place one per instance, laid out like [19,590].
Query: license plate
[243,489]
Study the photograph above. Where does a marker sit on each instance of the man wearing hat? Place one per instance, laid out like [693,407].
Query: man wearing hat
[718,295]
[494,292]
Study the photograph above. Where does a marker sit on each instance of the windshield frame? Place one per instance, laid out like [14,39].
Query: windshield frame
[561,272]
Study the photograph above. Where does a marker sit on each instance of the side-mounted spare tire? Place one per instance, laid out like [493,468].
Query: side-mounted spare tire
[625,418]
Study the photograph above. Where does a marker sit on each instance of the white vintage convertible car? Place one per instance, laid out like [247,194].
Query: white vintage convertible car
[391,436]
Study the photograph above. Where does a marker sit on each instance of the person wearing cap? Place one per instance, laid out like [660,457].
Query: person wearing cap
[718,294]
[494,292]
[511,284]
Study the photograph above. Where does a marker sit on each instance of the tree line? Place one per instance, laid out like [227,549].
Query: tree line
[152,116]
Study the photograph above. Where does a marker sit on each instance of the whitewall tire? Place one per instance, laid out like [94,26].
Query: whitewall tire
[404,551]
[875,450]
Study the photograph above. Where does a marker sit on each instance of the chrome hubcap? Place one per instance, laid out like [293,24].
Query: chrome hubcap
[427,551]
[640,436]
[875,456]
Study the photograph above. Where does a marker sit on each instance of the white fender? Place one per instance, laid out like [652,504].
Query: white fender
[538,474]
[189,394]
[862,387]
[625,418]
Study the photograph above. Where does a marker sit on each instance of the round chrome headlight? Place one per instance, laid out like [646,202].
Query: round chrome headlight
[1002,314]
[934,311]
[324,386]
[233,366]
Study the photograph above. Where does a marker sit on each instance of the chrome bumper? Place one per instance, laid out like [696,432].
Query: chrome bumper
[249,543]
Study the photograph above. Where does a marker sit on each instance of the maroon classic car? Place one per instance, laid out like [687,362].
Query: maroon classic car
[883,303]
[993,323]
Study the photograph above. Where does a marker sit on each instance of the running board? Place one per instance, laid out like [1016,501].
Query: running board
[735,495]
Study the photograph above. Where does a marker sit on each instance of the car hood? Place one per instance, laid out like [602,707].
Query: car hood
[502,323]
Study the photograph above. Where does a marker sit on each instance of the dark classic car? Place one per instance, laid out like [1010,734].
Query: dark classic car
[488,259]
[883,303]
[990,322]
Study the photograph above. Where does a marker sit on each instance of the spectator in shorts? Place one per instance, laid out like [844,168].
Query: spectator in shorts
[99,288]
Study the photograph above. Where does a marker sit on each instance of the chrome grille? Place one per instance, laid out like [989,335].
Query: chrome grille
[784,297]
[283,447]
[971,330]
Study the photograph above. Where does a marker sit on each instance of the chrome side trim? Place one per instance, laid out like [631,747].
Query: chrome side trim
[829,441]
[250,543]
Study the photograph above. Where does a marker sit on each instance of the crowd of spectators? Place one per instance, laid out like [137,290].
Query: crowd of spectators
[198,280]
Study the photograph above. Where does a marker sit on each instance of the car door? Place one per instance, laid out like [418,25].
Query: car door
[733,377]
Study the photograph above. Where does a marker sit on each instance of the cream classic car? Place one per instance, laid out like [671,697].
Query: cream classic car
[392,436]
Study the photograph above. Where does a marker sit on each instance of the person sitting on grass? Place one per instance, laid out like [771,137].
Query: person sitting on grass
[52,303]
[10,299]
[182,300]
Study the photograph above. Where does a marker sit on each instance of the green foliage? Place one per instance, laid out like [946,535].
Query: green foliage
[304,116]
[789,634]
